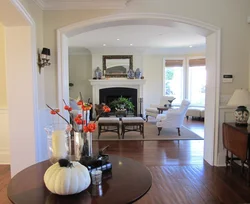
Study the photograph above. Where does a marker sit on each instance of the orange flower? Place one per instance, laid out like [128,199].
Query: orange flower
[53,112]
[68,108]
[79,121]
[79,103]
[90,127]
[85,128]
[84,108]
[79,115]
[107,110]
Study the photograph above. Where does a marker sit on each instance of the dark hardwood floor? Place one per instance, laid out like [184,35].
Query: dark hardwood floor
[179,173]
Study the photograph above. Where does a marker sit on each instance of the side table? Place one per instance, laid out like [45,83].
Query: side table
[236,142]
[161,109]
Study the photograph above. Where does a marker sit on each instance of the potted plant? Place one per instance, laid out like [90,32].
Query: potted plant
[122,103]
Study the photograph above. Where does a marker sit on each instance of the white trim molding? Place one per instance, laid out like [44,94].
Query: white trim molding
[82,5]
[4,137]
[30,136]
[226,114]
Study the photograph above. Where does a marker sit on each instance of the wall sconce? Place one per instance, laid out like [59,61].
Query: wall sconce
[43,58]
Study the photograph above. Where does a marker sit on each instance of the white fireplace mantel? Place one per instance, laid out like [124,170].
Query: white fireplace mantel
[116,82]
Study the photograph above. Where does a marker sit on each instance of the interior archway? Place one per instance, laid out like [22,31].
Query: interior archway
[212,34]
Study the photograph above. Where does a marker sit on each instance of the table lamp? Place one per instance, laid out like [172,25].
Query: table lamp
[240,98]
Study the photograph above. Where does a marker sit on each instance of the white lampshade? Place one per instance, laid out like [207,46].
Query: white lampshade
[240,97]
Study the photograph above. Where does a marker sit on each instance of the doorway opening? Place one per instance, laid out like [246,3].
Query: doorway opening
[212,34]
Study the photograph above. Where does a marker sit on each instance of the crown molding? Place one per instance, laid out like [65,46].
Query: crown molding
[143,50]
[77,5]
[40,4]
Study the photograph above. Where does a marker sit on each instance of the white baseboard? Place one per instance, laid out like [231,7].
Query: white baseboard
[4,137]
[4,157]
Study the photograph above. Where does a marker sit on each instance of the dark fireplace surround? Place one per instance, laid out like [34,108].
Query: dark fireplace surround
[107,95]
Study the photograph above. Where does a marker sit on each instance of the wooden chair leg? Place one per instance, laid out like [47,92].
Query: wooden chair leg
[227,159]
[99,131]
[142,130]
[231,162]
[123,131]
[179,132]
[242,168]
[159,130]
[118,130]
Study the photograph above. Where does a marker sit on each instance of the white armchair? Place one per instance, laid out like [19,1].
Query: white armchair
[152,110]
[173,118]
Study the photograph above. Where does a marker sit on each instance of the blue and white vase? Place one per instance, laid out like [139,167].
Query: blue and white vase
[137,73]
[131,74]
[98,73]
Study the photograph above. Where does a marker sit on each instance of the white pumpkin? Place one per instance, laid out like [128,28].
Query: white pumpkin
[66,178]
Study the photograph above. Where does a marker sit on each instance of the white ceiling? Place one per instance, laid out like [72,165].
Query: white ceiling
[81,4]
[140,36]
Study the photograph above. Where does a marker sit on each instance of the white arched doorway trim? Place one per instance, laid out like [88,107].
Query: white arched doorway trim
[21,78]
[212,33]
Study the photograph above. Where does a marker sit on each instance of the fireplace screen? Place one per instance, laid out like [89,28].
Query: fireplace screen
[108,95]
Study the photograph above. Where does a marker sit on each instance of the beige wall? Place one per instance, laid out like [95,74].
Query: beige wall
[80,71]
[3,96]
[229,15]
[37,16]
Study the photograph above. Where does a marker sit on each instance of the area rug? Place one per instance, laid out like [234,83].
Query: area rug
[150,134]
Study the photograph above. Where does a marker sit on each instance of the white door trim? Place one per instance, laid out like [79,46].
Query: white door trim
[34,135]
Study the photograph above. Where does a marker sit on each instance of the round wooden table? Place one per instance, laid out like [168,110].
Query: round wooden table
[128,182]
[161,109]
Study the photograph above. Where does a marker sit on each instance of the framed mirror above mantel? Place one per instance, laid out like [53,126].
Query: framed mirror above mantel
[117,66]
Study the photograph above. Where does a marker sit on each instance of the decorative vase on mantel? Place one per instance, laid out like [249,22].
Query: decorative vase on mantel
[137,73]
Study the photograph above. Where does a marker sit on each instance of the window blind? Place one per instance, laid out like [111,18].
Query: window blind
[197,62]
[173,63]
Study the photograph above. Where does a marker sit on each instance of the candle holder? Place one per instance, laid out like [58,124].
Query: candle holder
[58,142]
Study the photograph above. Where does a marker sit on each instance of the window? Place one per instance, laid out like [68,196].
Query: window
[185,80]
[173,83]
[197,85]
[197,81]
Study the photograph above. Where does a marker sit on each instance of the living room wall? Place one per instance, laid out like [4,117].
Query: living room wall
[151,67]
[4,131]
[230,18]
[229,15]
[80,71]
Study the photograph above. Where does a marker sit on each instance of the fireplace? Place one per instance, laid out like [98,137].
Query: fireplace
[107,95]
[131,84]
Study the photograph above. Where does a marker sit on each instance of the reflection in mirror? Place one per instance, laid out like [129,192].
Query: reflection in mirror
[117,65]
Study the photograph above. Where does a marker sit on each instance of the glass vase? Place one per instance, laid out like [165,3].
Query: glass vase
[58,142]
[82,145]
[78,145]
[88,149]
